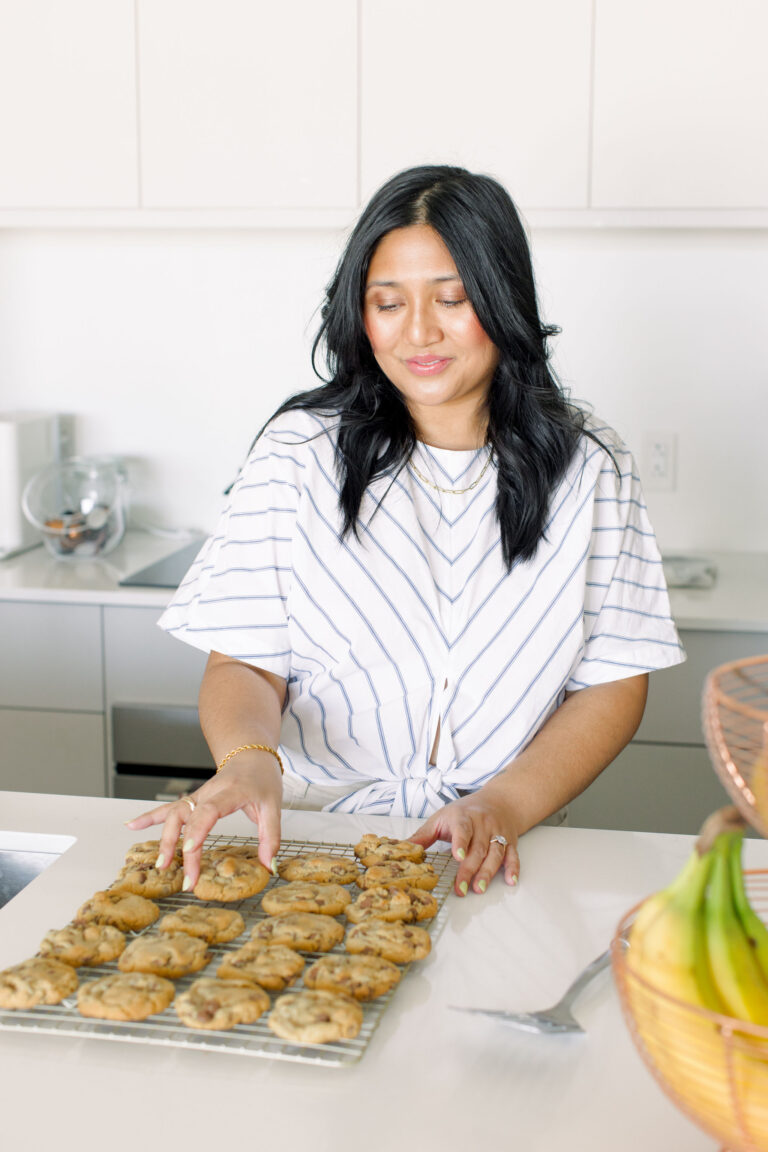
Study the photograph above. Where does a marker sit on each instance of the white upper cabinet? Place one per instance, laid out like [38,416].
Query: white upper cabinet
[67,104]
[498,86]
[248,105]
[681,104]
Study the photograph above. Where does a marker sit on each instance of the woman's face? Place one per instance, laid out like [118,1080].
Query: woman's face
[426,337]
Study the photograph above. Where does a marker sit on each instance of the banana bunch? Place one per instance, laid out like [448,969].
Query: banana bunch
[701,943]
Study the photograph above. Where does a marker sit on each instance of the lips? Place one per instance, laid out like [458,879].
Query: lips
[427,365]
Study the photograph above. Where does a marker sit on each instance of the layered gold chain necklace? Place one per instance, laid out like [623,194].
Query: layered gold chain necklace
[452,491]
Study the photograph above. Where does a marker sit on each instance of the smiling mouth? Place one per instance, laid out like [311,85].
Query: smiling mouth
[426,365]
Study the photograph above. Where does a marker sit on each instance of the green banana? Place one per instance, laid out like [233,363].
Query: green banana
[756,931]
[735,970]
[667,943]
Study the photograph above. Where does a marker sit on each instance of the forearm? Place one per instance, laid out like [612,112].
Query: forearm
[239,704]
[578,741]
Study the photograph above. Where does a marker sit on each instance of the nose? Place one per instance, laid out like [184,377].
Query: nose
[423,327]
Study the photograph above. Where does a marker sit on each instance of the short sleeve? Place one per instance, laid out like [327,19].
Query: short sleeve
[233,599]
[628,625]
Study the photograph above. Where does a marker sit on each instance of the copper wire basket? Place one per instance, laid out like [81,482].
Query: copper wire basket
[735,719]
[713,1067]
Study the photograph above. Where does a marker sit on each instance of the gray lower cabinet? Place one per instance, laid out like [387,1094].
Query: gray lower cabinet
[54,752]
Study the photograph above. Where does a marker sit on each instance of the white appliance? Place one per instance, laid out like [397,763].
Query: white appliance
[28,442]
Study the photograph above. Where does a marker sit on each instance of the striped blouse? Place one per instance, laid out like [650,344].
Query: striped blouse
[416,622]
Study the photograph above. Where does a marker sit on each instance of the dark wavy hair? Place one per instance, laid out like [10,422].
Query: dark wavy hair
[532,429]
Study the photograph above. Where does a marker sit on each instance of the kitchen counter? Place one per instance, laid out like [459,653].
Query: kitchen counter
[738,601]
[435,1078]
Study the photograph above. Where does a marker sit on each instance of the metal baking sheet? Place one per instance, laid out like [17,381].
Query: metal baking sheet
[256,1039]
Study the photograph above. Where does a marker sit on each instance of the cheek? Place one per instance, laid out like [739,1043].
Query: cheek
[475,339]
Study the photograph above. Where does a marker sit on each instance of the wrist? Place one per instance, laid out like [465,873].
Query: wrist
[251,753]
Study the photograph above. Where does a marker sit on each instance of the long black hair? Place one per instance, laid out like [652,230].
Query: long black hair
[532,429]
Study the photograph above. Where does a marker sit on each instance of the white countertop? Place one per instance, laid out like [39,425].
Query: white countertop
[738,602]
[434,1077]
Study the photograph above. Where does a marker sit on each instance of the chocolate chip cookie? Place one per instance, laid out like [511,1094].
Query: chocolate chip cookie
[301,896]
[399,874]
[220,1004]
[315,1016]
[364,977]
[125,996]
[228,876]
[319,869]
[389,903]
[124,910]
[144,879]
[398,942]
[165,954]
[36,981]
[214,925]
[86,945]
[302,931]
[272,966]
[379,849]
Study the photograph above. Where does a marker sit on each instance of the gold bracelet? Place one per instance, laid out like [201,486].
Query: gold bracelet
[247,748]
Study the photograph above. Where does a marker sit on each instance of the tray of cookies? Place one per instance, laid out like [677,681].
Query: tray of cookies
[298,966]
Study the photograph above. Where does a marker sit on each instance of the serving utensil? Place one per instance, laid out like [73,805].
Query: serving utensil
[556,1019]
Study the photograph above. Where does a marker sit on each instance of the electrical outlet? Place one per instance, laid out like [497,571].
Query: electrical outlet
[659,465]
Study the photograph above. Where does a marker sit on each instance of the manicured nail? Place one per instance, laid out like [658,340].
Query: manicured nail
[273,865]
[482,886]
[189,845]
[513,881]
[460,854]
[463,887]
[160,861]
[186,885]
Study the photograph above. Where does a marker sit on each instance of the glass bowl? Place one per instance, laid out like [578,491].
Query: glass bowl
[78,506]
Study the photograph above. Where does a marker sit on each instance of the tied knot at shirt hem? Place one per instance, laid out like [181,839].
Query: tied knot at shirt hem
[416,796]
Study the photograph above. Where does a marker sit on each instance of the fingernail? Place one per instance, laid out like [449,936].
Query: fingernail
[129,822]
[186,885]
[273,865]
[189,845]
[481,887]
[463,887]
[460,854]
[160,861]
[513,881]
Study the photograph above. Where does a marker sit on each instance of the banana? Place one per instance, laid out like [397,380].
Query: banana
[756,931]
[667,943]
[735,970]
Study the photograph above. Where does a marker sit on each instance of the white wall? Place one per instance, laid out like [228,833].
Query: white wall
[170,349]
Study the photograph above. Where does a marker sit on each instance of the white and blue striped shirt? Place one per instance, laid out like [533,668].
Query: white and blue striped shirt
[418,622]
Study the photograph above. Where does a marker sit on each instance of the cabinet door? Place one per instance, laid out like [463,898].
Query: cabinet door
[651,788]
[67,104]
[501,88]
[50,656]
[57,752]
[144,665]
[680,104]
[248,105]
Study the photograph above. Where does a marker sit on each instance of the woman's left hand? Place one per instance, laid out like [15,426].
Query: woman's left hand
[483,839]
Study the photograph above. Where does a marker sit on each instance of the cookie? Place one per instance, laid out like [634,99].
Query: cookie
[145,880]
[319,869]
[36,981]
[248,851]
[398,942]
[302,931]
[364,977]
[220,1004]
[300,896]
[273,967]
[229,876]
[379,849]
[388,903]
[90,944]
[124,910]
[399,874]
[315,1016]
[147,852]
[214,925]
[165,954]
[125,996]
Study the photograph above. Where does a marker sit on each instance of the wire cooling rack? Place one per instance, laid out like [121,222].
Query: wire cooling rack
[255,1039]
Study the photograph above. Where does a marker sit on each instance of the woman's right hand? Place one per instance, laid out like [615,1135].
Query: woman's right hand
[252,786]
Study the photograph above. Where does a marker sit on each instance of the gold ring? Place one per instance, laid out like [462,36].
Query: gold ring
[190,801]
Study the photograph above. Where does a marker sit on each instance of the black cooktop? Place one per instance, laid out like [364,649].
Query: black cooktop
[168,572]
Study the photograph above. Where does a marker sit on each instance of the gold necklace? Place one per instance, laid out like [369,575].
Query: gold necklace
[452,491]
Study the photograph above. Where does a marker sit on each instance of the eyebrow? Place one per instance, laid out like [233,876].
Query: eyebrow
[396,283]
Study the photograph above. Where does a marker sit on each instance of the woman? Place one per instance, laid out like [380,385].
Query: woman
[435,587]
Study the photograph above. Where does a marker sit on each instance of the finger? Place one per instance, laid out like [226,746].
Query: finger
[427,834]
[493,860]
[267,817]
[147,819]
[511,866]
[198,826]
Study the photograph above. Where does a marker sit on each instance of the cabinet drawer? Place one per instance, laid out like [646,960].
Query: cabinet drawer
[57,752]
[144,665]
[673,712]
[50,656]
